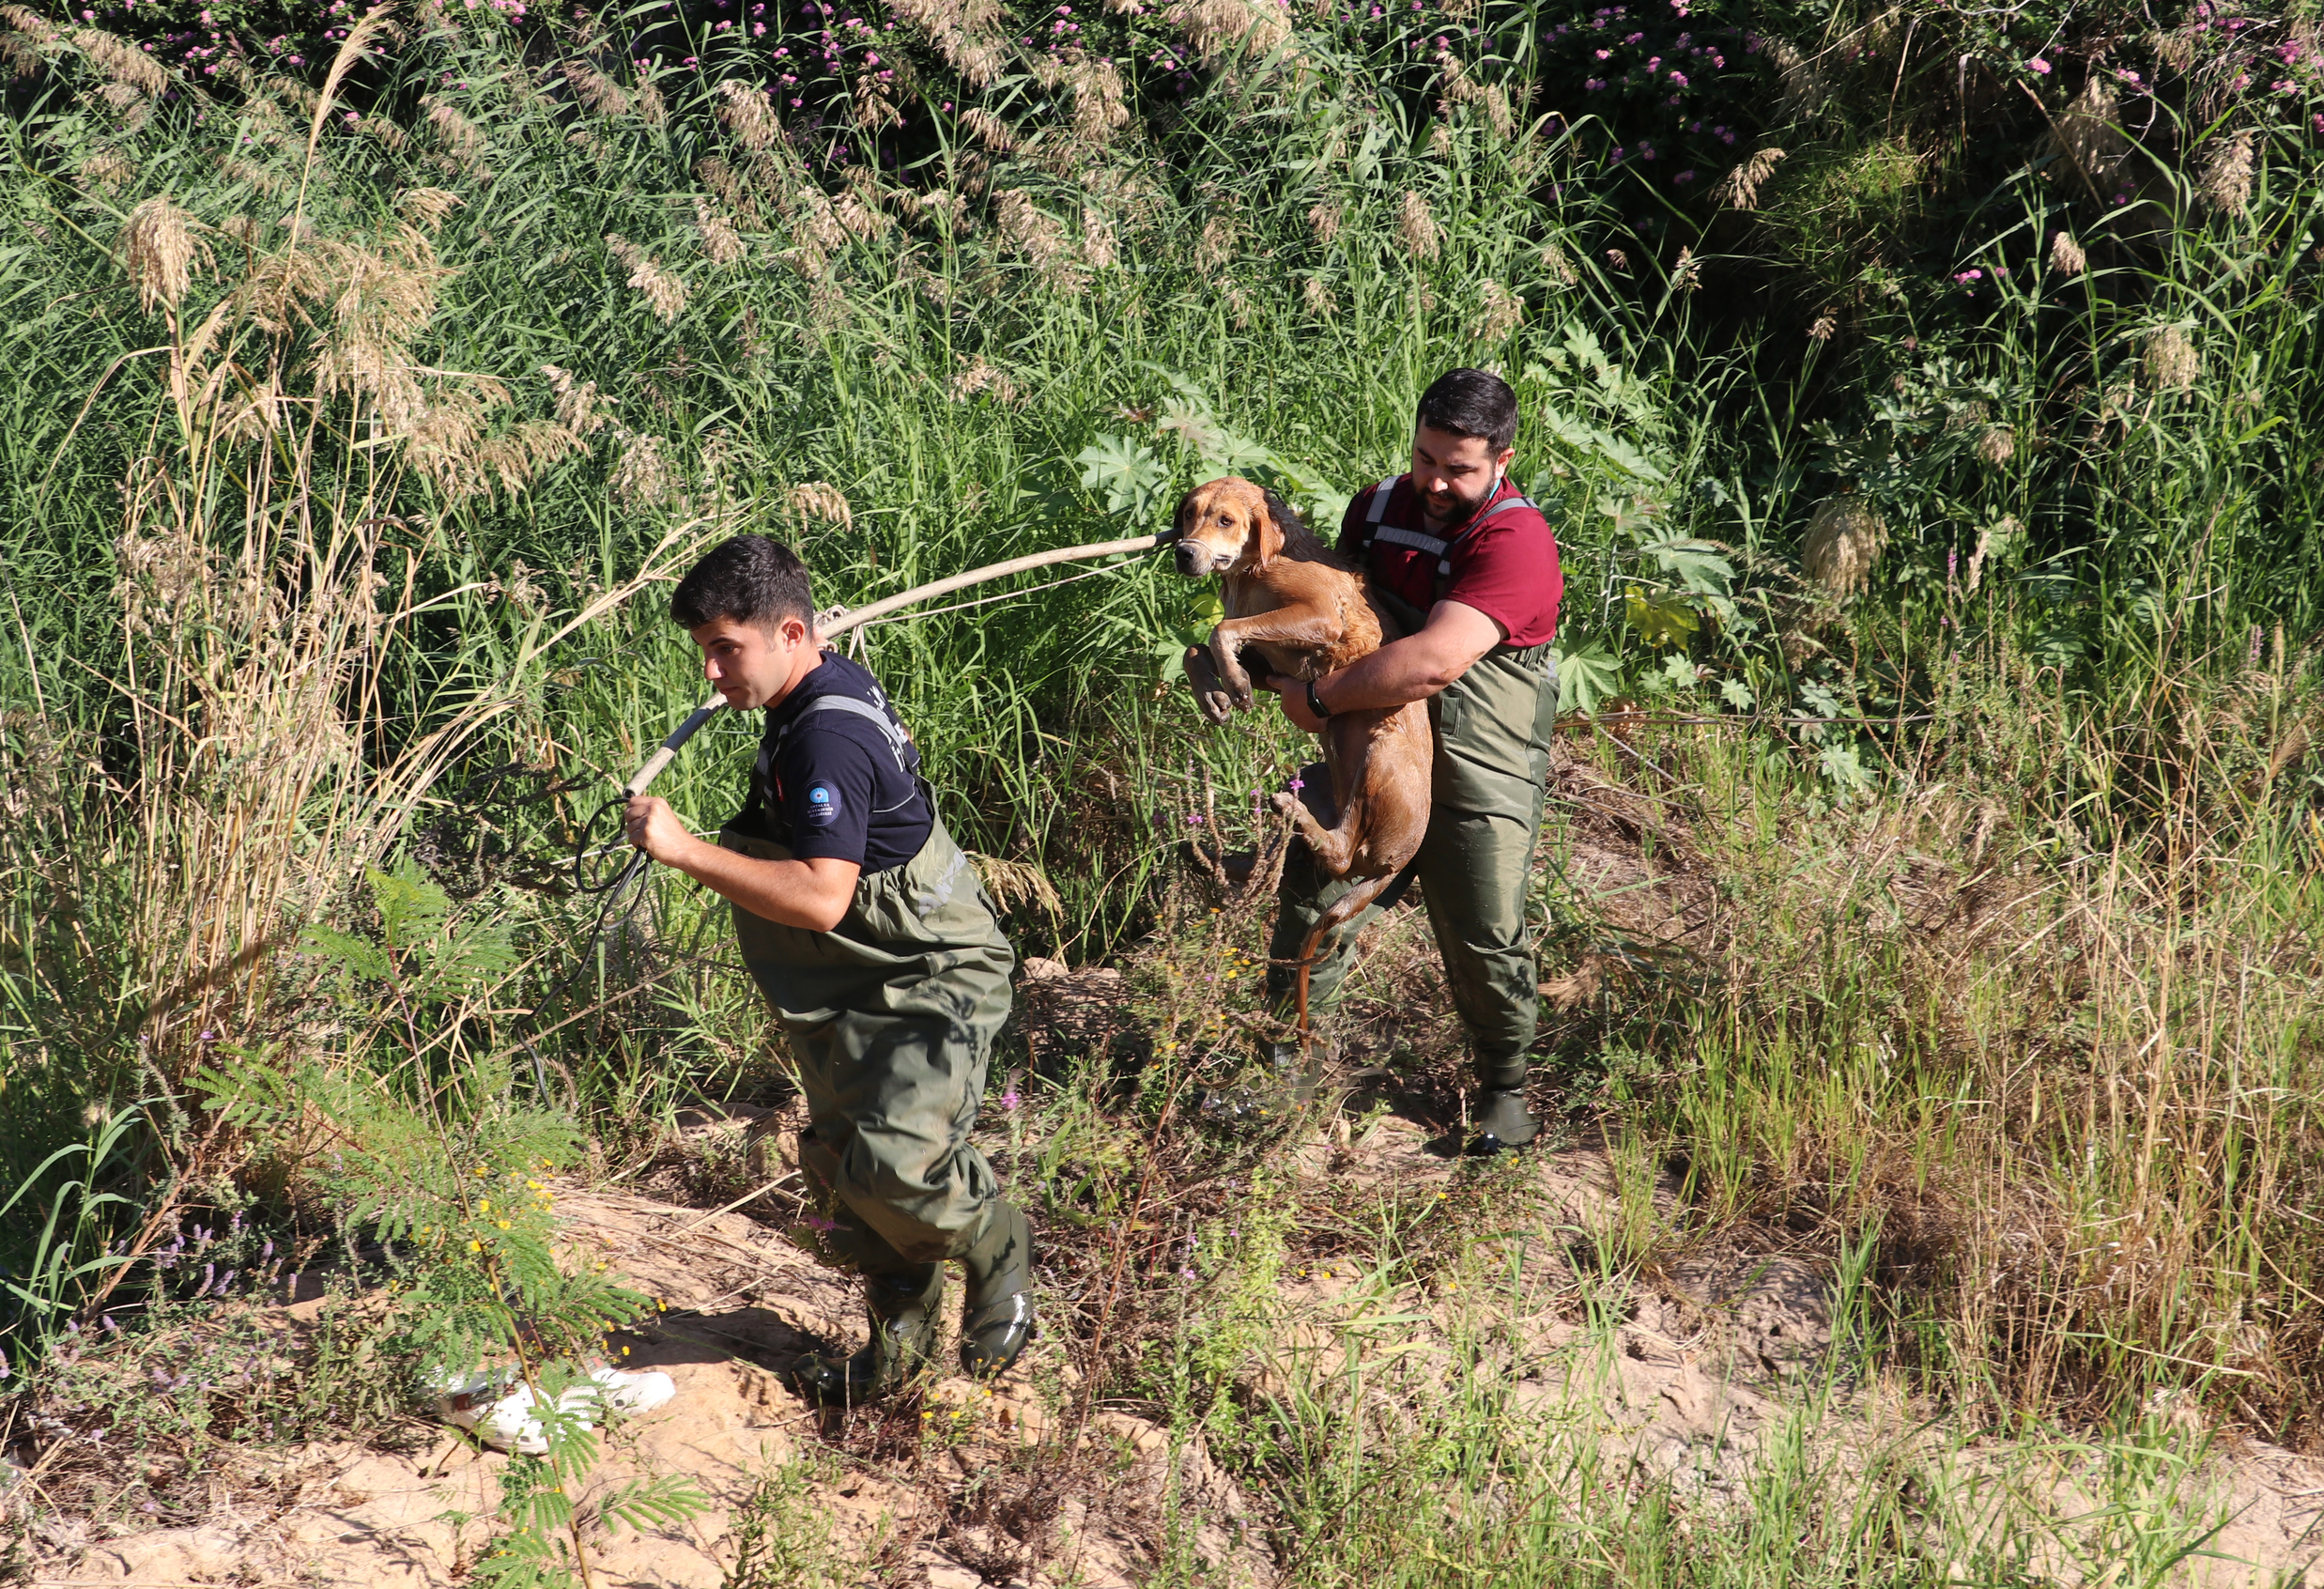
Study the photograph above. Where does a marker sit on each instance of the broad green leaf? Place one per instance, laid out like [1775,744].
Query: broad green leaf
[1660,617]
[1587,675]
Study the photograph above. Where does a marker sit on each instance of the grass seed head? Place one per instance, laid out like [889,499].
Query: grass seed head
[161,252]
[2227,183]
[2065,255]
[821,499]
[643,477]
[1503,311]
[1416,225]
[594,89]
[1739,188]
[1218,27]
[106,168]
[2172,362]
[1324,221]
[1997,445]
[121,62]
[1317,297]
[665,294]
[1098,249]
[748,113]
[721,243]
[425,207]
[1844,540]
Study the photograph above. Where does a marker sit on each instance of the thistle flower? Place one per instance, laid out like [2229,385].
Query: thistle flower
[1844,539]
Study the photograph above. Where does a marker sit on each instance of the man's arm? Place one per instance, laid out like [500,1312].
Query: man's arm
[813,893]
[1403,671]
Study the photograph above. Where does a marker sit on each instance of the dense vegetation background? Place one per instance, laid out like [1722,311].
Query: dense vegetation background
[1927,400]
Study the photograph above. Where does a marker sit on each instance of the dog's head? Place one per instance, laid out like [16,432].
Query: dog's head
[1229,525]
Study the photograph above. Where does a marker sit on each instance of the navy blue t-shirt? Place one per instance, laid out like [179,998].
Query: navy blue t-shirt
[832,780]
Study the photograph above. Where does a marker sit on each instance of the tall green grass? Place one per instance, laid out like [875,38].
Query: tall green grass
[2085,634]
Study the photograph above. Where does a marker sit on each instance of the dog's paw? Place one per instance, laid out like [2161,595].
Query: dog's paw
[1285,802]
[1216,705]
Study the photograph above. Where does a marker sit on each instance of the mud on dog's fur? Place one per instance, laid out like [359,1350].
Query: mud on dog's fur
[1303,611]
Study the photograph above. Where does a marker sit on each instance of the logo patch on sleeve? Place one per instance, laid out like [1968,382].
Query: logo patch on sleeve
[823,805]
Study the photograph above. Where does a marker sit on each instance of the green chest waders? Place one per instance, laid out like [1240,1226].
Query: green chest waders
[1493,726]
[892,1016]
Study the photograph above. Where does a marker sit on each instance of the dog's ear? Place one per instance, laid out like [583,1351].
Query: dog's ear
[1267,529]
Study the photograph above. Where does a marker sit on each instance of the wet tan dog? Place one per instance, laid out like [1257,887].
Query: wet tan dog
[1302,610]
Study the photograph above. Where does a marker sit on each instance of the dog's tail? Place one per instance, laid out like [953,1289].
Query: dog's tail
[1343,910]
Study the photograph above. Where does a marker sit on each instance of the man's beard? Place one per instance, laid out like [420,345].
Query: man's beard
[1457,510]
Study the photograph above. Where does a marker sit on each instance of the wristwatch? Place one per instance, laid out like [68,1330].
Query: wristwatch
[1315,701]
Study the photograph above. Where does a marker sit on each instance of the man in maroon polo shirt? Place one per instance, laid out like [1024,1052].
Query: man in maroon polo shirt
[1468,569]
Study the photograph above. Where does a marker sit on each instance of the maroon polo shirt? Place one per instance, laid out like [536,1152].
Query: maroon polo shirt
[1505,566]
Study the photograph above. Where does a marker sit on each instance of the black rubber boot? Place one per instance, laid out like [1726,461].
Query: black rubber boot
[996,1317]
[903,1307]
[1502,1121]
[1298,1068]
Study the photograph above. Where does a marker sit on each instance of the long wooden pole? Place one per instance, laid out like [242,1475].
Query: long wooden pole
[667,752]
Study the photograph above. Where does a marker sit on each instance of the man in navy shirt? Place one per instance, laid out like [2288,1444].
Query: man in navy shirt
[871,936]
[1468,569]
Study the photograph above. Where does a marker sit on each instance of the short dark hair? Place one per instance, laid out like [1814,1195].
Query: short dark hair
[749,580]
[1471,402]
